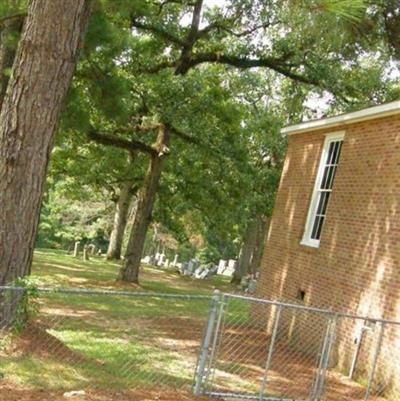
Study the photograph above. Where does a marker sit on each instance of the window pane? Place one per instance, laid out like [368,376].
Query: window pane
[330,153]
[331,177]
[315,227]
[323,203]
[324,190]
[325,178]
[319,229]
[316,232]
[335,153]
[338,153]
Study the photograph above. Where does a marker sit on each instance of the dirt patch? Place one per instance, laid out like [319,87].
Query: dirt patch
[36,340]
[11,392]
[241,361]
[144,395]
[182,328]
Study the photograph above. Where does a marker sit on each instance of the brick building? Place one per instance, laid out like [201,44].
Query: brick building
[334,238]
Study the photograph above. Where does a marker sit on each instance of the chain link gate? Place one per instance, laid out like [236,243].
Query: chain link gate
[273,351]
[102,341]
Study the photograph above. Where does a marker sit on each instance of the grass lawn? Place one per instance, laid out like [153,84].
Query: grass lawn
[109,342]
[58,269]
[125,348]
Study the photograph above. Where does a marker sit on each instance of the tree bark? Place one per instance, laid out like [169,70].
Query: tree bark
[120,220]
[263,225]
[246,252]
[131,265]
[42,72]
[10,29]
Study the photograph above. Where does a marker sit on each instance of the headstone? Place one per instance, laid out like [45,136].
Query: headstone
[92,249]
[76,249]
[185,269]
[204,273]
[214,269]
[166,263]
[196,264]
[201,272]
[197,273]
[221,266]
[230,269]
[161,260]
[86,252]
[99,252]
[146,260]
[175,261]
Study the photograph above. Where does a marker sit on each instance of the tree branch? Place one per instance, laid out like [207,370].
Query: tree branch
[185,137]
[239,62]
[159,67]
[166,2]
[186,54]
[219,25]
[275,64]
[130,145]
[194,28]
[17,17]
[196,141]
[158,31]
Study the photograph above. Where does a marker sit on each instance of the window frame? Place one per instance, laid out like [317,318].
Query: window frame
[312,209]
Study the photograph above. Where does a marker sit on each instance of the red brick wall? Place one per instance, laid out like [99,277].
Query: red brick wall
[357,265]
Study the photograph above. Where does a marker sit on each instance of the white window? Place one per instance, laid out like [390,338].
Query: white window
[323,189]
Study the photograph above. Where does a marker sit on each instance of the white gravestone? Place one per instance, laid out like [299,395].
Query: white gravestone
[146,260]
[221,266]
[175,261]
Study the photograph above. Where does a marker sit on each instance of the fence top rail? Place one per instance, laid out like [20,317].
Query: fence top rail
[138,294]
[82,291]
[313,309]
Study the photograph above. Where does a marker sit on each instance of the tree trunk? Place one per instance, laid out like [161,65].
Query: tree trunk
[42,72]
[8,37]
[263,225]
[246,252]
[120,220]
[147,195]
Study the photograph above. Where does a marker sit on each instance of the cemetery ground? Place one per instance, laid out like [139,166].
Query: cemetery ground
[113,348]
[144,348]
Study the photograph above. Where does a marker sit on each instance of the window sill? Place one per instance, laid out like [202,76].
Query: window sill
[309,243]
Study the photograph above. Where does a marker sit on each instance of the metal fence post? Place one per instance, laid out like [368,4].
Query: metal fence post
[375,360]
[217,339]
[319,384]
[270,350]
[202,362]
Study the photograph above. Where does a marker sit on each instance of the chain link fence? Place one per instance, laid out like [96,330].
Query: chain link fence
[142,346]
[105,343]
[259,349]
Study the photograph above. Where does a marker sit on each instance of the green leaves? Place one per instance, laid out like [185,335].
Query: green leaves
[224,89]
[351,10]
